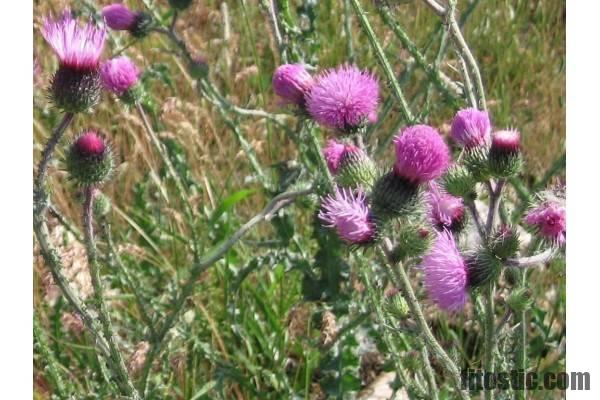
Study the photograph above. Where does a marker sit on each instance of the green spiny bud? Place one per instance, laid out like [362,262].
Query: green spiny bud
[504,242]
[519,299]
[356,169]
[476,161]
[90,161]
[141,25]
[102,204]
[483,267]
[397,306]
[505,155]
[394,196]
[458,181]
[199,67]
[412,241]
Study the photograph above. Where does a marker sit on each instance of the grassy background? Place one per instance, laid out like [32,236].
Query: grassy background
[237,334]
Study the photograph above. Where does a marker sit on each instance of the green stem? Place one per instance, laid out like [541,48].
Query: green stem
[60,389]
[433,345]
[429,374]
[490,337]
[117,362]
[383,61]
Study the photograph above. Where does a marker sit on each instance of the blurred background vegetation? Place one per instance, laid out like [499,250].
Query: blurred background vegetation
[256,321]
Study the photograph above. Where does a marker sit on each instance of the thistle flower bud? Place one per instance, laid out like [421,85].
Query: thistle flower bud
[519,299]
[471,128]
[459,182]
[344,99]
[504,242]
[397,306]
[394,196]
[120,76]
[349,214]
[350,165]
[101,205]
[120,18]
[199,67]
[90,160]
[291,82]
[505,154]
[180,4]
[411,241]
[476,161]
[483,267]
[76,85]
[549,219]
[444,210]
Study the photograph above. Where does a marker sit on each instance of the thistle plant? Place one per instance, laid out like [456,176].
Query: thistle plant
[409,231]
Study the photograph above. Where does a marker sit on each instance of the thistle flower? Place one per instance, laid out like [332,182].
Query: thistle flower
[471,128]
[76,84]
[421,154]
[344,98]
[444,210]
[199,67]
[119,75]
[350,165]
[291,82]
[333,154]
[445,273]
[349,214]
[90,160]
[550,220]
[505,153]
[118,17]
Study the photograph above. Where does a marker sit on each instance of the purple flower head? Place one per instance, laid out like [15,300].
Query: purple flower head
[78,47]
[119,74]
[119,17]
[90,144]
[443,209]
[291,82]
[421,154]
[471,127]
[344,98]
[334,153]
[550,220]
[507,141]
[349,214]
[445,273]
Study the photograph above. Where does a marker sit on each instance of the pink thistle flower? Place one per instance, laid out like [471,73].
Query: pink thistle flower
[421,154]
[471,127]
[445,273]
[550,220]
[90,144]
[507,141]
[119,17]
[349,214]
[77,47]
[344,98]
[444,210]
[333,154]
[291,82]
[119,74]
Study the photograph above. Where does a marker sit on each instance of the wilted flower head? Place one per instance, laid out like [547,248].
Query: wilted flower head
[421,154]
[471,127]
[344,98]
[76,46]
[550,220]
[291,82]
[119,74]
[349,214]
[118,17]
[445,273]
[444,210]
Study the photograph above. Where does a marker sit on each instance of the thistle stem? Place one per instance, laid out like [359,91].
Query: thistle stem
[531,261]
[490,337]
[430,341]
[117,362]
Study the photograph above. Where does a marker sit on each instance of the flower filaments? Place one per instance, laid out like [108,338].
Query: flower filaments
[120,18]
[445,273]
[349,214]
[291,82]
[120,75]
[345,99]
[76,85]
[505,153]
[444,210]
[471,128]
[90,160]
[549,219]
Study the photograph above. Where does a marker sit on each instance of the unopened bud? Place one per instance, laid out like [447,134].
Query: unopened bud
[90,160]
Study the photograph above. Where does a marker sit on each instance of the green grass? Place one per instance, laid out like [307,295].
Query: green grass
[252,327]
